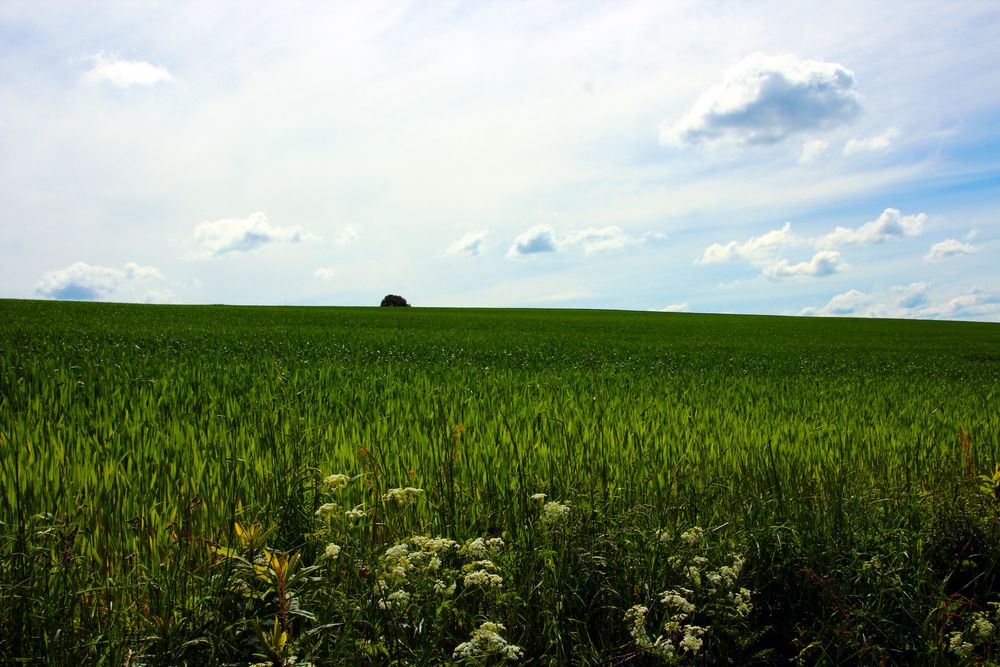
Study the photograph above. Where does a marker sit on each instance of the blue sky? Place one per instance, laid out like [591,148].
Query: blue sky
[766,157]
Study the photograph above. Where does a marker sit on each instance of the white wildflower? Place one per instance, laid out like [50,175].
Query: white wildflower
[958,646]
[554,512]
[486,641]
[691,641]
[356,513]
[692,535]
[406,496]
[332,550]
[335,482]
[483,579]
[325,509]
[982,629]
[539,497]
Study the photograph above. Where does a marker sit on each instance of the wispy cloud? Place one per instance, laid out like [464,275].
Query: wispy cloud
[228,236]
[949,248]
[326,273]
[544,239]
[812,149]
[84,282]
[123,73]
[765,98]
[470,244]
[872,144]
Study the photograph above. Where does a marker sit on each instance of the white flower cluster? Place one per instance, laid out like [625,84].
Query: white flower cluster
[486,642]
[405,496]
[539,497]
[482,547]
[482,573]
[358,512]
[326,509]
[554,512]
[963,645]
[332,550]
[335,482]
[707,594]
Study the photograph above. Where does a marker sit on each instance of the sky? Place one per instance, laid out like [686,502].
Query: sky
[805,158]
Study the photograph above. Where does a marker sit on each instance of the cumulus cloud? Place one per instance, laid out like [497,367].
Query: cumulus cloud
[823,263]
[890,225]
[325,273]
[543,238]
[123,73]
[235,235]
[912,295]
[470,244]
[949,248]
[871,144]
[757,250]
[763,99]
[913,301]
[812,149]
[83,282]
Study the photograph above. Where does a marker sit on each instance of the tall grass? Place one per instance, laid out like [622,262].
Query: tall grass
[139,446]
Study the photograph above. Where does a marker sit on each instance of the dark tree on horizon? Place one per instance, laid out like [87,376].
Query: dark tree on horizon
[394,301]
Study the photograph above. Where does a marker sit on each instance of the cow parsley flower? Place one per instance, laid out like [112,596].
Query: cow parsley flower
[332,550]
[335,482]
[554,512]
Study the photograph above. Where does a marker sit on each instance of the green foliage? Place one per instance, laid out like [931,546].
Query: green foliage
[159,463]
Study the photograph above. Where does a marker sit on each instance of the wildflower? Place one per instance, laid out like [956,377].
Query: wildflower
[441,589]
[332,550]
[554,512]
[692,535]
[982,629]
[356,513]
[483,579]
[539,497]
[691,641]
[326,508]
[486,641]
[406,496]
[335,482]
[958,646]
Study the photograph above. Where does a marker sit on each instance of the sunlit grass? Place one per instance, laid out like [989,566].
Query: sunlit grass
[218,485]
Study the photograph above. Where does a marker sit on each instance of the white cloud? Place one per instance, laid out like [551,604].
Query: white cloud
[812,149]
[234,235]
[763,99]
[949,248]
[349,234]
[871,144]
[672,308]
[124,73]
[823,263]
[913,301]
[599,239]
[912,295]
[890,225]
[538,239]
[470,244]
[543,238]
[325,273]
[83,282]
[759,250]
[850,303]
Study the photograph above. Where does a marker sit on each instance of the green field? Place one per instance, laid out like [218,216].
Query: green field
[163,495]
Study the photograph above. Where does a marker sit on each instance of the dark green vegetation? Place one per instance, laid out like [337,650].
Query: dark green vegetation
[162,469]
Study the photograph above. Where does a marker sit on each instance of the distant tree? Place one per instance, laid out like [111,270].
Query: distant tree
[394,301]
